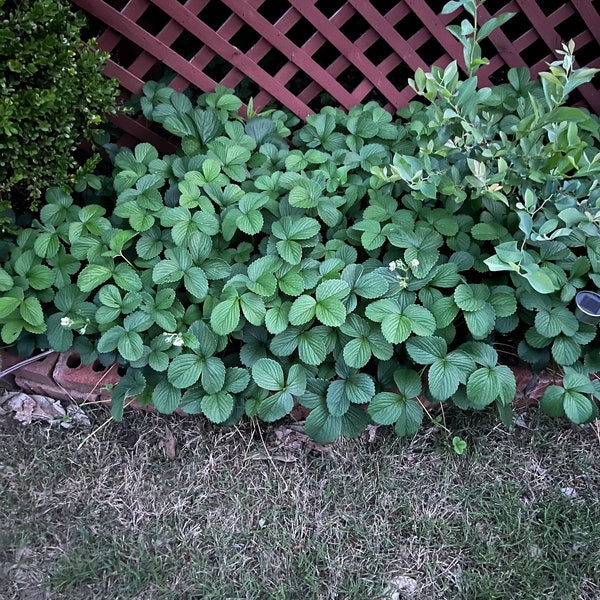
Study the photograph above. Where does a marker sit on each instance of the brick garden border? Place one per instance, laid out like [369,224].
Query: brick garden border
[62,376]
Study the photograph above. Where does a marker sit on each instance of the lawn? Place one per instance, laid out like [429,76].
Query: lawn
[161,508]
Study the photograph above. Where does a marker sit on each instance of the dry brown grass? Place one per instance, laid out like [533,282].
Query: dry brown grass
[249,513]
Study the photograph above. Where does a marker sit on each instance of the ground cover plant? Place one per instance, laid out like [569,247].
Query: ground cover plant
[517,516]
[371,264]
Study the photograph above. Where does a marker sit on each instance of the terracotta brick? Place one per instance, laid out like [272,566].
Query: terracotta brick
[8,360]
[39,371]
[51,390]
[84,381]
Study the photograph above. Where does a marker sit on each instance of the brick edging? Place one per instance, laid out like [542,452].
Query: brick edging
[62,376]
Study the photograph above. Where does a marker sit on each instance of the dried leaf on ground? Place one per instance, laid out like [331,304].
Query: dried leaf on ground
[169,444]
[26,408]
[371,432]
[401,587]
[76,418]
[291,443]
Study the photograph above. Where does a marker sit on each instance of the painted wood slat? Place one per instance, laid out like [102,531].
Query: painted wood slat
[130,29]
[350,51]
[369,80]
[294,54]
[141,132]
[387,32]
[232,54]
[590,16]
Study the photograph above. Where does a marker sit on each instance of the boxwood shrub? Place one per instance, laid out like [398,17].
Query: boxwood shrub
[53,96]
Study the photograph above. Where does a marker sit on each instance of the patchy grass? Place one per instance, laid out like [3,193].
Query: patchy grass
[249,514]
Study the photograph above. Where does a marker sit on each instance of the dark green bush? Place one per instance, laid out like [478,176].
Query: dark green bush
[53,96]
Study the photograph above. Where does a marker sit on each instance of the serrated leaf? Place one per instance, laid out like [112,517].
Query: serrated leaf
[286,342]
[225,316]
[550,323]
[185,370]
[110,339]
[396,328]
[471,297]
[92,276]
[11,331]
[31,311]
[165,397]
[291,284]
[426,350]
[337,401]
[131,346]
[323,427]
[236,380]
[577,407]
[311,348]
[290,251]
[386,408]
[422,321]
[483,387]
[250,223]
[357,352]
[330,312]
[213,375]
[126,278]
[483,354]
[410,419]
[536,340]
[8,305]
[354,422]
[444,378]
[277,318]
[276,406]
[158,360]
[552,401]
[503,301]
[268,375]
[565,350]
[577,382]
[408,382]
[303,310]
[332,288]
[40,277]
[296,380]
[6,281]
[195,282]
[370,285]
[60,338]
[253,307]
[481,322]
[378,310]
[359,388]
[47,245]
[217,407]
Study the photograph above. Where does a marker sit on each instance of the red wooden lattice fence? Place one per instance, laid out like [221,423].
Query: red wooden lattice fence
[294,51]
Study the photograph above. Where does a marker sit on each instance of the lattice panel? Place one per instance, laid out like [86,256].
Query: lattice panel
[302,52]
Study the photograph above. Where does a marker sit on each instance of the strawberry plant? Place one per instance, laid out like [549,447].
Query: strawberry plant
[375,264]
